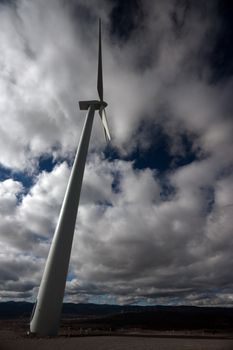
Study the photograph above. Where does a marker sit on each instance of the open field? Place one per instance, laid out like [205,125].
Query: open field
[116,343]
[13,337]
[104,327]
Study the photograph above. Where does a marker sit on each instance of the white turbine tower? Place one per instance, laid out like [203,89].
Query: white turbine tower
[46,313]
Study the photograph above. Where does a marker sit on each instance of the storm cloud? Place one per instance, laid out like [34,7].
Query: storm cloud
[155,217]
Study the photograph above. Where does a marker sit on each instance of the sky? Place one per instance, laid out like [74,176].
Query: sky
[156,212]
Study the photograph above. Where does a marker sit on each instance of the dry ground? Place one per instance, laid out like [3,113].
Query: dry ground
[13,337]
[116,343]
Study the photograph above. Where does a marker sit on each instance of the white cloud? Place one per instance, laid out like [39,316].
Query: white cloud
[41,205]
[9,189]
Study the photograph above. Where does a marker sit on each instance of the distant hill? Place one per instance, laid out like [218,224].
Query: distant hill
[170,318]
[132,316]
[12,309]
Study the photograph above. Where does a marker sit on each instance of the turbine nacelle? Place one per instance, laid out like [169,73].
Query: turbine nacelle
[84,105]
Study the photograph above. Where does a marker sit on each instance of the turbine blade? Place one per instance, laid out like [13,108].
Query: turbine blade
[100,70]
[105,124]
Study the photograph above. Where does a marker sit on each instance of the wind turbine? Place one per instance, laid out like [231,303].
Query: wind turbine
[47,309]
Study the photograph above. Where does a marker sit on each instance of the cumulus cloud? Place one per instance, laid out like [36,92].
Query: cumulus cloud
[142,234]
